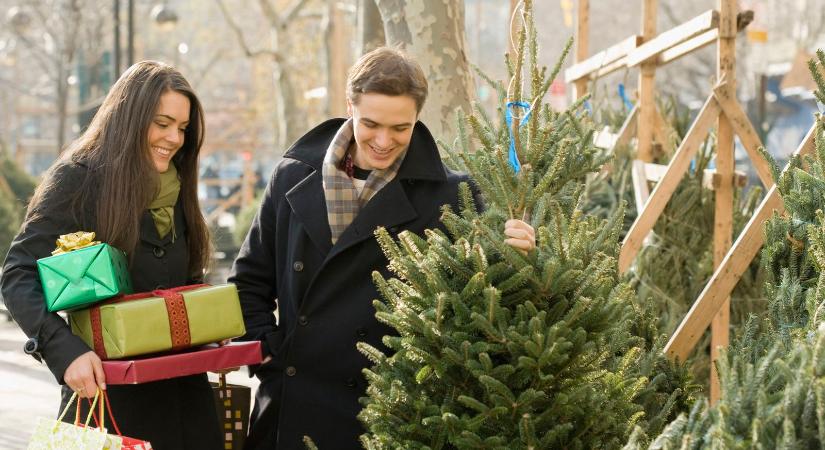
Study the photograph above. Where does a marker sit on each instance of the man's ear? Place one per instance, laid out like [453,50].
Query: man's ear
[349,108]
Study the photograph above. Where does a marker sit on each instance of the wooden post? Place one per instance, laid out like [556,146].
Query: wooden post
[582,43]
[726,276]
[723,218]
[647,87]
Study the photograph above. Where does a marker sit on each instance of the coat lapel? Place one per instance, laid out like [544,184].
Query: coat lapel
[307,202]
[390,207]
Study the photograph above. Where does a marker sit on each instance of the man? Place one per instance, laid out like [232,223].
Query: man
[312,249]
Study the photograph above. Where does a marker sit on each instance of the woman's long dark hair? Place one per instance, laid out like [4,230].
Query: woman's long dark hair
[116,148]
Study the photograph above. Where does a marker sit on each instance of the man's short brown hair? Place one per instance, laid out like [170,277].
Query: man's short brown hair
[387,71]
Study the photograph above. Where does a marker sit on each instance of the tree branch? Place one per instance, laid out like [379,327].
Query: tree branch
[271,16]
[293,11]
[236,29]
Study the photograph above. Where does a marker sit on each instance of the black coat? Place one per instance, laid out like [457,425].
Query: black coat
[324,292]
[171,414]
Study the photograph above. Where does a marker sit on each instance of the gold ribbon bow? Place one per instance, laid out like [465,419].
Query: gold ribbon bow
[75,241]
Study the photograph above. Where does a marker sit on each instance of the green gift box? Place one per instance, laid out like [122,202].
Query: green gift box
[159,321]
[84,276]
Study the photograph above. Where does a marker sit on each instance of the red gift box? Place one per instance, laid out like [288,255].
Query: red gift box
[197,360]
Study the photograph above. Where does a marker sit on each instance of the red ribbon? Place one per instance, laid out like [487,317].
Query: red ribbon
[175,310]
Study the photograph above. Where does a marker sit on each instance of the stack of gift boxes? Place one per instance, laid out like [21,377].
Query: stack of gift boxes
[145,336]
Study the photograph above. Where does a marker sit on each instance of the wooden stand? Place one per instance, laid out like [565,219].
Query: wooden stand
[721,109]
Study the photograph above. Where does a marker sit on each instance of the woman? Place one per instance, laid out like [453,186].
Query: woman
[132,179]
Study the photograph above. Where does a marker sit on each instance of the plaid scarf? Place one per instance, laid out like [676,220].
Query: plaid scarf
[343,201]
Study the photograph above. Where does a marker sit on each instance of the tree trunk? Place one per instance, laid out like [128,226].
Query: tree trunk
[370,27]
[290,121]
[432,31]
[337,60]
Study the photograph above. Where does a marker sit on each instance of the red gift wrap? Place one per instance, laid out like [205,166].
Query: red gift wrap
[198,360]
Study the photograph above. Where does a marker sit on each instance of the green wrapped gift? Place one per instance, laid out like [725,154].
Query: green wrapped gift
[161,320]
[82,272]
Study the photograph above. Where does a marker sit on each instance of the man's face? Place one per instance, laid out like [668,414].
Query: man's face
[383,127]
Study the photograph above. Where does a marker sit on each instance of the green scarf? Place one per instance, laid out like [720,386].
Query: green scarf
[163,206]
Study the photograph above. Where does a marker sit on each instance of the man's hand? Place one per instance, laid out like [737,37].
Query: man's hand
[520,235]
[85,374]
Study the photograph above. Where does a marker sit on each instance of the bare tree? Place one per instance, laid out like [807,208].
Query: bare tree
[433,31]
[55,33]
[370,26]
[290,120]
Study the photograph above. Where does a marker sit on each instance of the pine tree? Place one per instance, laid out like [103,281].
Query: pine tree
[773,376]
[496,349]
[13,200]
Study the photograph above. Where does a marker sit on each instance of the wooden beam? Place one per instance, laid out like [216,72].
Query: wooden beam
[701,41]
[647,88]
[641,192]
[726,97]
[664,190]
[725,166]
[589,66]
[673,37]
[626,133]
[725,277]
[688,47]
[712,180]
[582,43]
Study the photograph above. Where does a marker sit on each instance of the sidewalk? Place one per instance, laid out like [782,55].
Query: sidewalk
[29,390]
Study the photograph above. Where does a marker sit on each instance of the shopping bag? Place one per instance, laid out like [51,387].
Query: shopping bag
[232,402]
[50,434]
[126,443]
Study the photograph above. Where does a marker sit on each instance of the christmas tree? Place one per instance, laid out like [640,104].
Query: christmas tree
[496,349]
[773,376]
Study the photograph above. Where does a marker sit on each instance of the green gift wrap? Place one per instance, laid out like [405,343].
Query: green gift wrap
[83,276]
[162,320]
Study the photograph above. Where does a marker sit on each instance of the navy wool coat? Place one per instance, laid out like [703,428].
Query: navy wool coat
[324,292]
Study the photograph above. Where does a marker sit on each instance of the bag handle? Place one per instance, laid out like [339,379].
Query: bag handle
[77,410]
[101,422]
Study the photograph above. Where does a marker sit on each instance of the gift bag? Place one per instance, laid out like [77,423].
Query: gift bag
[50,434]
[126,443]
[232,402]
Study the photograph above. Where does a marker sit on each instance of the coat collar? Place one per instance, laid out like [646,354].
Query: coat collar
[421,163]
[390,207]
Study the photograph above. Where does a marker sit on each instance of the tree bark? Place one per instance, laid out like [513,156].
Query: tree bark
[370,27]
[432,31]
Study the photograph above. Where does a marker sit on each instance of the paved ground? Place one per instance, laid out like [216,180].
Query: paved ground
[28,389]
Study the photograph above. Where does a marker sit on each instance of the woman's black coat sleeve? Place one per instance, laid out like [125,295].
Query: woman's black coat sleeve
[22,292]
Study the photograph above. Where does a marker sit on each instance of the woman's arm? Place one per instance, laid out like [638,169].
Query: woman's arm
[22,292]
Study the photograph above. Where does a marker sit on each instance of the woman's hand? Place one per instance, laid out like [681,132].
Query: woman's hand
[521,235]
[85,374]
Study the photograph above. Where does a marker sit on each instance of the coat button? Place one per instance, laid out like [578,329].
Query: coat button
[290,371]
[298,266]
[351,382]
[361,332]
[302,320]
[158,252]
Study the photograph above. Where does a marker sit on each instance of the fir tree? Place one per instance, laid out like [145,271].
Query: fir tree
[496,349]
[773,376]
